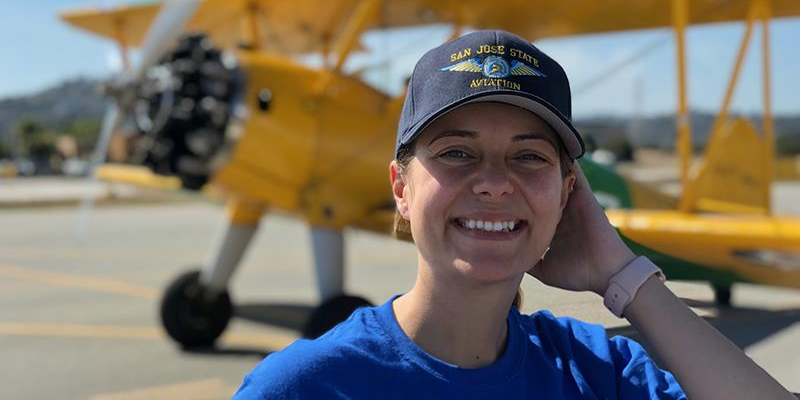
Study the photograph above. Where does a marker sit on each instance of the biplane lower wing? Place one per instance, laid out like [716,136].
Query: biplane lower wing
[136,175]
[717,248]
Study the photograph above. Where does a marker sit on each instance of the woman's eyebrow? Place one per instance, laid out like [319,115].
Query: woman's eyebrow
[534,136]
[454,132]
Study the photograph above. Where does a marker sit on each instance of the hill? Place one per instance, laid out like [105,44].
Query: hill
[56,107]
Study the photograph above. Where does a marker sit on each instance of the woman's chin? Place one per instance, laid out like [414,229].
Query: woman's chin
[488,270]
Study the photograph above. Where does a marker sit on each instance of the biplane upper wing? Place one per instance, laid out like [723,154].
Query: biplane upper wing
[538,19]
[286,26]
[306,26]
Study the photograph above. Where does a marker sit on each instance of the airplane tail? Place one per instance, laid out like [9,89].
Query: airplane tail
[733,177]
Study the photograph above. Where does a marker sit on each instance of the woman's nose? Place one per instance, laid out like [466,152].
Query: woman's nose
[493,182]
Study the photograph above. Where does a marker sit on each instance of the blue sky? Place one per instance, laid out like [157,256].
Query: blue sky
[41,51]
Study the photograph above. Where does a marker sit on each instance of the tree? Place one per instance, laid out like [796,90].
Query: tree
[38,142]
[786,144]
[85,130]
[5,150]
[621,148]
[41,146]
[29,127]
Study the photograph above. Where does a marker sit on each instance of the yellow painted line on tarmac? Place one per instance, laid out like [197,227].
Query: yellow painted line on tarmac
[81,331]
[268,341]
[164,251]
[207,389]
[89,283]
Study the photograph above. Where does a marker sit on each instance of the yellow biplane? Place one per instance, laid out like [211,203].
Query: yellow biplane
[228,105]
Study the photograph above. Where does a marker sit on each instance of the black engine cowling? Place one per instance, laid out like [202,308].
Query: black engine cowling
[183,108]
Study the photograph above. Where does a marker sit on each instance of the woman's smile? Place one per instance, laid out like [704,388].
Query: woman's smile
[489,226]
[489,230]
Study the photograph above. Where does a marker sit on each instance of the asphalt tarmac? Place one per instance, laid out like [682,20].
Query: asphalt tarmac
[79,317]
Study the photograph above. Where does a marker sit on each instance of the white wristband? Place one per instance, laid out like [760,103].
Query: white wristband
[622,287]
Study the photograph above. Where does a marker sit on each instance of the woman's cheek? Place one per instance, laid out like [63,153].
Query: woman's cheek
[543,186]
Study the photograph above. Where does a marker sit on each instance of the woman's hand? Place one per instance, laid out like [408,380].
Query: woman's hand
[586,250]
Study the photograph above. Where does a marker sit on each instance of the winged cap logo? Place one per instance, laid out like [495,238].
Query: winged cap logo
[494,67]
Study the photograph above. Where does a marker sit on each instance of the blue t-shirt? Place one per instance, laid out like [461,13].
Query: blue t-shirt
[370,357]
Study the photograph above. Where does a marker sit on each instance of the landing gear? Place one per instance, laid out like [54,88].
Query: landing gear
[336,306]
[192,315]
[332,312]
[722,294]
[196,307]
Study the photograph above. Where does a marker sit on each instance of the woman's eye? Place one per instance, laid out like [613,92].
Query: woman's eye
[455,154]
[531,157]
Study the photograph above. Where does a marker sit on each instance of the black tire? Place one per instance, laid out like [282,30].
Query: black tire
[189,317]
[330,313]
[722,294]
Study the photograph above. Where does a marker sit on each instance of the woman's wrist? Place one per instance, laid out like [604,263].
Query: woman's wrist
[610,264]
[625,284]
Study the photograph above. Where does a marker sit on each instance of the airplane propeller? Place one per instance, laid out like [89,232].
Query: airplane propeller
[162,35]
[160,38]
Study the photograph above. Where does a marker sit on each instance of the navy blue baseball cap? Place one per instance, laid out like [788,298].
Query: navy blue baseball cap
[493,66]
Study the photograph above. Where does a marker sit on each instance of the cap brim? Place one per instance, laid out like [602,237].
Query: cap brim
[568,134]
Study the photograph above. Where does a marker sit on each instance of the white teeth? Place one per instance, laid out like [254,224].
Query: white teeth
[489,226]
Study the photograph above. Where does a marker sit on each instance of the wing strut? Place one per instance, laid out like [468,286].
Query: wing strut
[365,12]
[119,31]
[680,19]
[769,129]
[252,19]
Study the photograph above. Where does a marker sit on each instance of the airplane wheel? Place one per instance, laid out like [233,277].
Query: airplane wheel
[722,294]
[331,312]
[190,318]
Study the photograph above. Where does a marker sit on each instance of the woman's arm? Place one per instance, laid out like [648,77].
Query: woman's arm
[586,252]
[707,365]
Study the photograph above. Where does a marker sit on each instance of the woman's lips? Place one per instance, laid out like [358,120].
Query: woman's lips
[489,230]
[493,225]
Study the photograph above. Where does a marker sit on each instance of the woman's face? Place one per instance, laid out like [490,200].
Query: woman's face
[484,191]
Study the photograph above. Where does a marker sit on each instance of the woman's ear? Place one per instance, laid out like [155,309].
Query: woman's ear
[569,185]
[398,189]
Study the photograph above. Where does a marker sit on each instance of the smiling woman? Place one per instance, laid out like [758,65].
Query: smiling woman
[476,172]
[485,183]
[405,154]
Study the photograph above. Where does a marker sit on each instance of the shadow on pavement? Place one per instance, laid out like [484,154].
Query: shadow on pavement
[289,316]
[228,351]
[741,325]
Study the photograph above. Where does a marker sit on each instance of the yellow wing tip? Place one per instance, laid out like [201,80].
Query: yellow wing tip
[77,13]
[136,175]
